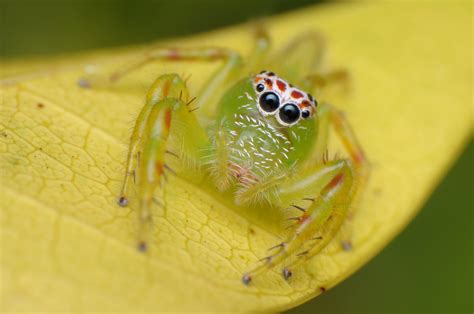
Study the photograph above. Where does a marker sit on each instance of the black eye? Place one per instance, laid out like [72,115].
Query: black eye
[305,114]
[289,113]
[269,102]
[260,87]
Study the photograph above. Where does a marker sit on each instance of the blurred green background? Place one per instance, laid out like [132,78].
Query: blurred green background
[427,268]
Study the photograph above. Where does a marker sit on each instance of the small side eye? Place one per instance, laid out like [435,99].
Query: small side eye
[289,113]
[305,114]
[269,102]
[260,87]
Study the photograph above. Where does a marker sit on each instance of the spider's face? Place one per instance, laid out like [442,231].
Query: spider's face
[278,98]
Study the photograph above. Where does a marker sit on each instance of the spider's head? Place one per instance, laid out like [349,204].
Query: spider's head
[278,98]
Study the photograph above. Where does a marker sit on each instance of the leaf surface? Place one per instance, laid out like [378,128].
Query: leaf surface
[67,246]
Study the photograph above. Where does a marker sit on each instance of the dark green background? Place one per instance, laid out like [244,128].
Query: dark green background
[428,268]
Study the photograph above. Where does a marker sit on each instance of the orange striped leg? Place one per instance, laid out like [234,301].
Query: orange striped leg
[166,86]
[360,168]
[326,188]
[318,81]
[148,145]
[232,65]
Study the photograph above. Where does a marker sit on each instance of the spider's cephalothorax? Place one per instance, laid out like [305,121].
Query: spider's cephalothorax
[267,130]
[264,141]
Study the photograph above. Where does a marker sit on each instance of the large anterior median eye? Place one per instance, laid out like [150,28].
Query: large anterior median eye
[289,113]
[269,102]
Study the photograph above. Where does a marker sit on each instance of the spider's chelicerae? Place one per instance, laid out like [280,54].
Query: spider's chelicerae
[256,135]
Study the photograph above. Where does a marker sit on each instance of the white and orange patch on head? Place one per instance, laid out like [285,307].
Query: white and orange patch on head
[291,103]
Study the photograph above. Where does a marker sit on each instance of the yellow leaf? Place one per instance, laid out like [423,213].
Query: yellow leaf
[66,245]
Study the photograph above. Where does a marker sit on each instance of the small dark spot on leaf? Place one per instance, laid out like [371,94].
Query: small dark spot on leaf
[377,191]
[322,289]
[40,105]
[252,231]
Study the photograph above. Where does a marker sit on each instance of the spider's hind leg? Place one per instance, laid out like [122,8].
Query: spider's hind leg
[306,64]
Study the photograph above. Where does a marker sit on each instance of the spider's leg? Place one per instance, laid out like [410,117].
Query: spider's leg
[258,59]
[302,55]
[207,98]
[329,187]
[148,145]
[231,66]
[305,64]
[166,86]
[349,140]
[319,152]
[358,159]
[319,80]
[361,169]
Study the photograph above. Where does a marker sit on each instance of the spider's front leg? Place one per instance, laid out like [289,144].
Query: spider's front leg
[326,189]
[329,188]
[166,102]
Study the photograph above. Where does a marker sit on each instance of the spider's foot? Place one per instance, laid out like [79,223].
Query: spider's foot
[286,273]
[94,79]
[346,245]
[246,279]
[123,201]
[84,83]
[142,246]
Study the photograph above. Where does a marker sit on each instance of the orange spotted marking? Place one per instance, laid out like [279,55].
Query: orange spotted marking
[281,85]
[296,94]
[269,83]
[305,104]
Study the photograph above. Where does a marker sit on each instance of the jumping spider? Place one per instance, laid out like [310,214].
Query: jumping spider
[263,139]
